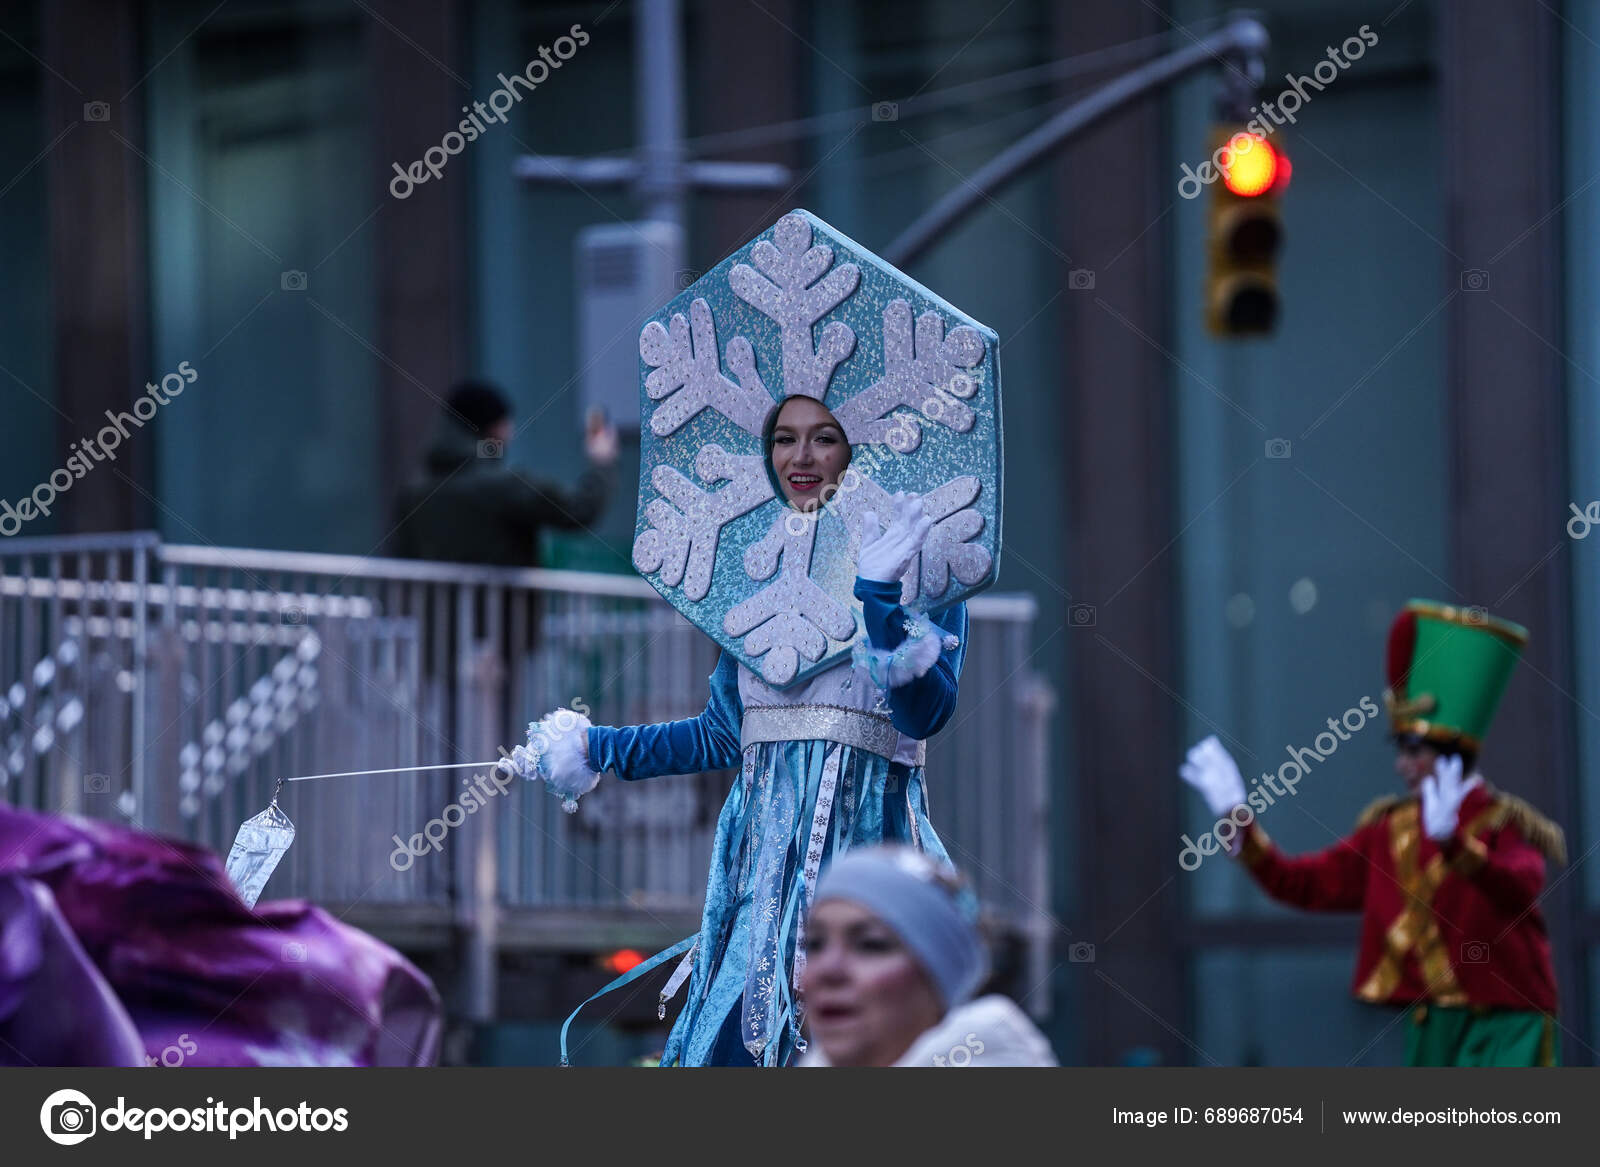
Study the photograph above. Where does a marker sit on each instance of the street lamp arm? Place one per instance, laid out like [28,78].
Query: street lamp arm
[1242,37]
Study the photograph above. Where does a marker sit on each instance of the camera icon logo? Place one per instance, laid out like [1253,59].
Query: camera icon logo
[1278,447]
[491,448]
[1474,952]
[885,111]
[68,1117]
[1476,615]
[1474,279]
[96,111]
[294,615]
[684,277]
[1081,615]
[293,281]
[97,783]
[1081,953]
[1080,279]
[294,951]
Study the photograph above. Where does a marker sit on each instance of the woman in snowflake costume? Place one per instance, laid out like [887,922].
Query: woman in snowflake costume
[823,700]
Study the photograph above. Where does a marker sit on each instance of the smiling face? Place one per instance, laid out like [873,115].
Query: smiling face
[866,995]
[809,452]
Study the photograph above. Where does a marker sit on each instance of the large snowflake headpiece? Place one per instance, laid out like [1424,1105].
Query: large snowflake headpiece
[915,383]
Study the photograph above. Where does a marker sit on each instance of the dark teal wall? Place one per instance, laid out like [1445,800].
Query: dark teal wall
[1580,222]
[259,127]
[27,392]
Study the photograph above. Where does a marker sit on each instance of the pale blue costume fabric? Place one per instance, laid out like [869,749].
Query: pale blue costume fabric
[740,1006]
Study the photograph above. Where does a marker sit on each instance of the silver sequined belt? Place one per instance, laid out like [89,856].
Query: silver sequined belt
[832,723]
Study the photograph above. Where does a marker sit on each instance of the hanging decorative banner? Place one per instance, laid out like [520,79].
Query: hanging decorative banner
[263,840]
[914,382]
[257,848]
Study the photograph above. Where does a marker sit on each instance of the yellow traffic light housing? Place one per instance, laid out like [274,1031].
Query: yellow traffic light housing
[1244,234]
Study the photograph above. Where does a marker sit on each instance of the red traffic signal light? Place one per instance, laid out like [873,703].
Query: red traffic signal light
[622,960]
[1255,166]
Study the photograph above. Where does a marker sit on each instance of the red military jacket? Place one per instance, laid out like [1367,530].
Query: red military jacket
[1457,925]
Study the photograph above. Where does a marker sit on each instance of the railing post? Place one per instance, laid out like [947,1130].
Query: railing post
[163,702]
[480,680]
[1036,702]
[141,682]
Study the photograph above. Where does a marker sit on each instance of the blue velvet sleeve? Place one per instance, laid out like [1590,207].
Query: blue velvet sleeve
[709,741]
[920,708]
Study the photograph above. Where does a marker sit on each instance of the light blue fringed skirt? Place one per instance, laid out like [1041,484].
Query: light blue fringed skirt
[796,805]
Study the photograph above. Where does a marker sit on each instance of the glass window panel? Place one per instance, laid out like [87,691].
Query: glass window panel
[263,275]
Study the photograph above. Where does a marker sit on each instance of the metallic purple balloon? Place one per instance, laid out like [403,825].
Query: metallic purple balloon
[121,948]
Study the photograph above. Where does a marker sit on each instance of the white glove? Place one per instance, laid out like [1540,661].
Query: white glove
[558,753]
[1442,794]
[886,557]
[1211,770]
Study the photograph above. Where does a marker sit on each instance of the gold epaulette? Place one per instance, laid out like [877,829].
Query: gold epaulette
[1377,808]
[1541,832]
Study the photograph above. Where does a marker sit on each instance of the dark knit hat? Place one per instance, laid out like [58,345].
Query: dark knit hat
[478,404]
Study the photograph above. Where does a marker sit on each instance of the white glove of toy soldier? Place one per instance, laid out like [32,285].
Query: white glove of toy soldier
[1442,794]
[886,557]
[1211,770]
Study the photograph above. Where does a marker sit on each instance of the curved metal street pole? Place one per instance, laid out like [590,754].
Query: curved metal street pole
[1242,37]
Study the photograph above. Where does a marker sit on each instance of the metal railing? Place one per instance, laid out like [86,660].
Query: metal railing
[171,686]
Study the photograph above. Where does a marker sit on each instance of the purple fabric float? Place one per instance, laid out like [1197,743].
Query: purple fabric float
[121,948]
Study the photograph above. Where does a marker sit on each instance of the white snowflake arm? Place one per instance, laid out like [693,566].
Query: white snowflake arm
[786,619]
[923,370]
[686,523]
[949,550]
[793,290]
[687,374]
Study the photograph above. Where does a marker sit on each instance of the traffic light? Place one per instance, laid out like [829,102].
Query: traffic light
[1244,233]
[622,960]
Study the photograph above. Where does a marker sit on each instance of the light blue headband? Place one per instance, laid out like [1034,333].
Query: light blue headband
[898,886]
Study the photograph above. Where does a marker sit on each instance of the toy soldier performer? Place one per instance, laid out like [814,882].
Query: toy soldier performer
[1447,876]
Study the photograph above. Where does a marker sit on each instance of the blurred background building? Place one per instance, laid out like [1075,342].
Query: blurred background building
[1214,532]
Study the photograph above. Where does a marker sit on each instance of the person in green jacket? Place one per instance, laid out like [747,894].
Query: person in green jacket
[471,506]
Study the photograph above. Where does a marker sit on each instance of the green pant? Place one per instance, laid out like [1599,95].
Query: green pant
[1443,1035]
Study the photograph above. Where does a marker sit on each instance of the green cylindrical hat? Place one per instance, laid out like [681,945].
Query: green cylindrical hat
[1448,667]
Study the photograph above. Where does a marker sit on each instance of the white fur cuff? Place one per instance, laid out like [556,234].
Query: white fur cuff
[918,653]
[558,753]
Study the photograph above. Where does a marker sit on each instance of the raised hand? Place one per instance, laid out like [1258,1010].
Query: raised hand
[1211,770]
[886,557]
[600,438]
[1442,794]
